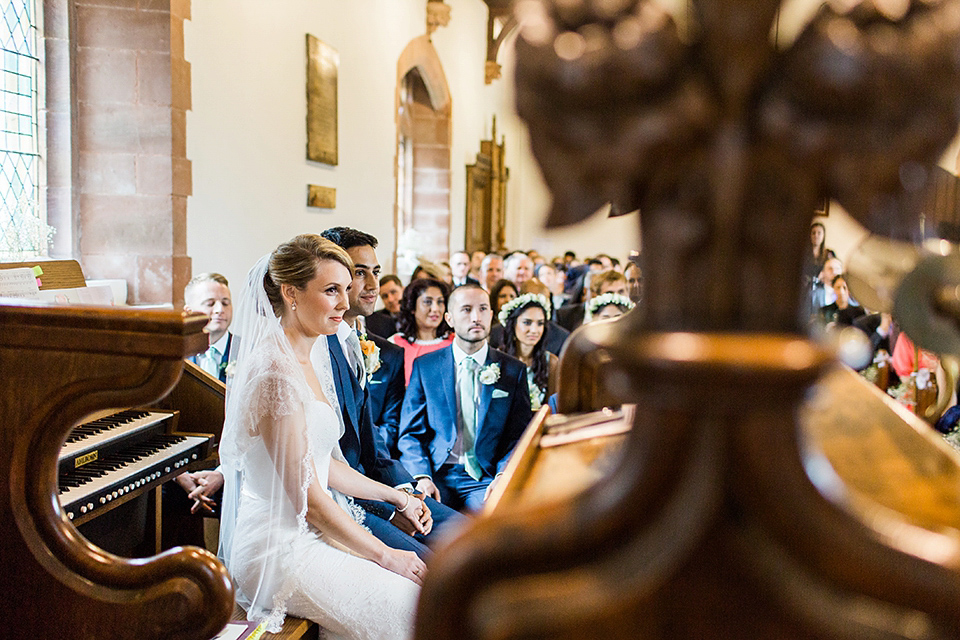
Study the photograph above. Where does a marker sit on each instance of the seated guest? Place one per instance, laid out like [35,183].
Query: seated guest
[518,268]
[209,294]
[843,311]
[553,281]
[879,328]
[460,268]
[476,262]
[907,358]
[524,322]
[491,270]
[821,292]
[554,336]
[572,316]
[465,408]
[385,322]
[607,306]
[428,269]
[634,280]
[815,259]
[422,325]
[368,378]
[502,292]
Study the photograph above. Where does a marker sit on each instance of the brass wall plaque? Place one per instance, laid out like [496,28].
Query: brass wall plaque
[323,63]
[321,197]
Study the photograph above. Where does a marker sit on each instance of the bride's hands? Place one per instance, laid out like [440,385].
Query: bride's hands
[404,563]
[415,517]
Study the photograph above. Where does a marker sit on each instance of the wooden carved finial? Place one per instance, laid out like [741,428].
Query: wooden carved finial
[709,526]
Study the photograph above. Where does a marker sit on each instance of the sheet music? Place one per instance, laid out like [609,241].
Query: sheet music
[19,283]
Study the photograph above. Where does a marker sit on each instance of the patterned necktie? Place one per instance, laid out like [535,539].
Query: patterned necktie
[211,362]
[356,355]
[468,414]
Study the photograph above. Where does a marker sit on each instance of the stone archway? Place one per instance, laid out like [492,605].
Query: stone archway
[423,116]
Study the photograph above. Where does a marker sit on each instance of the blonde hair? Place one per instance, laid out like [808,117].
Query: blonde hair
[204,277]
[295,263]
[605,277]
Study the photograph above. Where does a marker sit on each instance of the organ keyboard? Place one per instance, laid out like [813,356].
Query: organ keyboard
[115,458]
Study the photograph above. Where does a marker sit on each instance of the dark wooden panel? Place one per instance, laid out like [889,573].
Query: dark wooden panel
[60,365]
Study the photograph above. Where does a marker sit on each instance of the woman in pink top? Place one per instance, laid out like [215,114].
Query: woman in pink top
[905,360]
[422,326]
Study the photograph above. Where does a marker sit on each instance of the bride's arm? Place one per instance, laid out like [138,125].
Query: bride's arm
[351,482]
[286,442]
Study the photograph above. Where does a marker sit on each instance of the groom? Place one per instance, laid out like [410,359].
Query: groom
[465,408]
[356,383]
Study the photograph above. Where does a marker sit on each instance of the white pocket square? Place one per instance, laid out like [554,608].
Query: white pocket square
[499,393]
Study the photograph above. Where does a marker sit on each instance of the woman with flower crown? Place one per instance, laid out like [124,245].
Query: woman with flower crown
[524,321]
[290,536]
[606,307]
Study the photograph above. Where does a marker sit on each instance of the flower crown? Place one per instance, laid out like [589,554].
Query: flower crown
[601,301]
[536,298]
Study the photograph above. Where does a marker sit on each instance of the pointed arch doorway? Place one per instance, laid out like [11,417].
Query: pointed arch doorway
[423,115]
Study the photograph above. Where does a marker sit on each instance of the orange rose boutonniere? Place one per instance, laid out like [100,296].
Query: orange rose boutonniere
[371,355]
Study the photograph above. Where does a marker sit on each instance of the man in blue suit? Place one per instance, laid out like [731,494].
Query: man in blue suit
[370,383]
[465,408]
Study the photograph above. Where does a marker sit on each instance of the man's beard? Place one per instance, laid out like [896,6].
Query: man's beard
[471,339]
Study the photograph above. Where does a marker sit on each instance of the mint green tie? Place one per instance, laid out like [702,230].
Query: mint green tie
[468,410]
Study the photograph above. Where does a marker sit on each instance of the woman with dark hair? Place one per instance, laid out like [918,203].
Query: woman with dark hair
[606,307]
[422,326]
[813,263]
[502,292]
[524,321]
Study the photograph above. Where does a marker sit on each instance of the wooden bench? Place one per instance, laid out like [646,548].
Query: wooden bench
[293,628]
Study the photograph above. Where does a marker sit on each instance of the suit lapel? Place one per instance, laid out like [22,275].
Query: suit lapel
[225,359]
[486,393]
[450,388]
[345,380]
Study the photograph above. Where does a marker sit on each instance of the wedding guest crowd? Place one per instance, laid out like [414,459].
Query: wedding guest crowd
[358,435]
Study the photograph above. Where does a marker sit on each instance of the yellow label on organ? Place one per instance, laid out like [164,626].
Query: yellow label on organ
[84,459]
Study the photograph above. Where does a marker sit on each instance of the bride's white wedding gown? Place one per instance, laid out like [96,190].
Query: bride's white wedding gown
[279,562]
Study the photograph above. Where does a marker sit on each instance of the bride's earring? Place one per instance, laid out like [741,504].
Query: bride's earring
[293,306]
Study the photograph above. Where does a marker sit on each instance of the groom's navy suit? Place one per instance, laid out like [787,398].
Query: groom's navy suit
[386,387]
[364,451]
[428,423]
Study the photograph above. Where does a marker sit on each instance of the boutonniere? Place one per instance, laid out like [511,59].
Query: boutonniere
[536,397]
[371,355]
[228,368]
[490,373]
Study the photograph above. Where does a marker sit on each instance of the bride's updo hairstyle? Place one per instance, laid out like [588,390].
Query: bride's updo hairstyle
[295,263]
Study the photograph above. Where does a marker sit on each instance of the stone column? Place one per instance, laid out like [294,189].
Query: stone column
[131,92]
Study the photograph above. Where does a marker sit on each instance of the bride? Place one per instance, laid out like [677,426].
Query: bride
[291,538]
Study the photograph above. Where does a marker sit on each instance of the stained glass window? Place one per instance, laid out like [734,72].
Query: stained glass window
[23,229]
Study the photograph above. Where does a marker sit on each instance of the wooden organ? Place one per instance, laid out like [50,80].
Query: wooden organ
[65,366]
[744,496]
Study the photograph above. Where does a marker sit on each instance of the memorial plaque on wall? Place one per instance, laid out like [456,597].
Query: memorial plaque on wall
[322,64]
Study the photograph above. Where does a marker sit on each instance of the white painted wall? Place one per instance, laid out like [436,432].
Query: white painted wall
[246,133]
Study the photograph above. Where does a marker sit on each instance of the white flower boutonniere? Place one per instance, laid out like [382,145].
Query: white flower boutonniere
[230,369]
[371,356]
[490,373]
